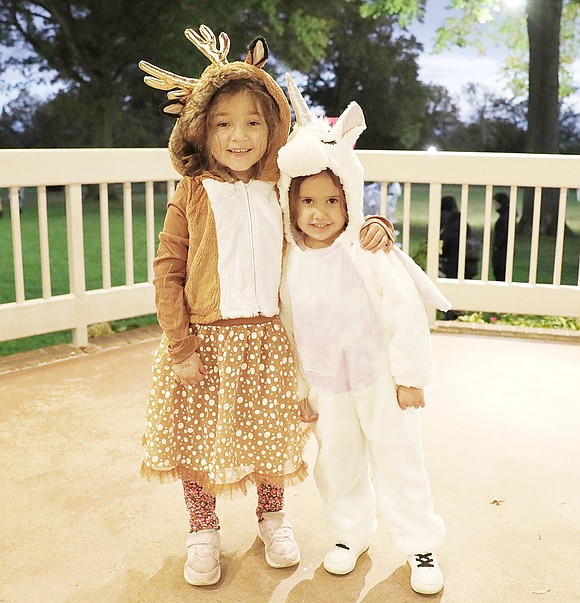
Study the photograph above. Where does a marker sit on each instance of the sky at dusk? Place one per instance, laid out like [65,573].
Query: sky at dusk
[453,69]
[458,67]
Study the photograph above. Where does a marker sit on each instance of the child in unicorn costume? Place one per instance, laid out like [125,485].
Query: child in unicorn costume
[363,342]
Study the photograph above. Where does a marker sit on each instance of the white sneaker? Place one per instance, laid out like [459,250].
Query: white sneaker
[341,559]
[426,575]
[202,567]
[276,533]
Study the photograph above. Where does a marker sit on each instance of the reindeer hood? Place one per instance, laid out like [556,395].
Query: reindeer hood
[188,98]
[314,146]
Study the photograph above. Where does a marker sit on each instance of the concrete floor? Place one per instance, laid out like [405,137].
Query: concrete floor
[502,440]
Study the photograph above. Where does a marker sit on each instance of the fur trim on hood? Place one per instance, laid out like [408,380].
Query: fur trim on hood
[314,146]
[188,98]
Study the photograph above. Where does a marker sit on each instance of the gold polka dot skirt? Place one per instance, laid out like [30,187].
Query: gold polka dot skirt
[241,425]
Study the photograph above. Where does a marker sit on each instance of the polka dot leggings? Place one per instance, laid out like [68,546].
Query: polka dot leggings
[201,506]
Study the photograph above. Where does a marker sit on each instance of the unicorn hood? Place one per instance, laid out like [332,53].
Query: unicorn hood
[313,146]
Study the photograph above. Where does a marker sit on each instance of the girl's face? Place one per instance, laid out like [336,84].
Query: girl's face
[320,210]
[238,135]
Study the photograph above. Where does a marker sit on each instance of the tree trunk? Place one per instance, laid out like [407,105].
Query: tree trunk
[105,113]
[543,101]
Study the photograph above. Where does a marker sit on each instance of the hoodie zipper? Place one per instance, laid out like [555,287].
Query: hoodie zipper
[246,186]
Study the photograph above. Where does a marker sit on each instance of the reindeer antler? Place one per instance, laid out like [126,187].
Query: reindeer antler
[207,44]
[178,87]
[165,80]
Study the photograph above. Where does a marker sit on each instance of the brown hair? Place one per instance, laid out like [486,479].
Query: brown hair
[197,156]
[294,191]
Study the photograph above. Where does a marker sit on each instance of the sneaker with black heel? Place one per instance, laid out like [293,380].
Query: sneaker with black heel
[202,567]
[426,575]
[280,545]
[341,559]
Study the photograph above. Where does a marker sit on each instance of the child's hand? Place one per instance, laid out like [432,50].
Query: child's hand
[190,371]
[410,397]
[306,413]
[374,238]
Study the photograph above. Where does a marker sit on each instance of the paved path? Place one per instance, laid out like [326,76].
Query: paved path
[502,441]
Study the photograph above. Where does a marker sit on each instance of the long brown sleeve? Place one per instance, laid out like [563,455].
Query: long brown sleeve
[170,267]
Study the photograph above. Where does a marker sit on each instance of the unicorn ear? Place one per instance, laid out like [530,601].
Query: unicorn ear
[351,124]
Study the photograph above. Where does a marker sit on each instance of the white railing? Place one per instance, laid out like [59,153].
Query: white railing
[80,306]
[488,170]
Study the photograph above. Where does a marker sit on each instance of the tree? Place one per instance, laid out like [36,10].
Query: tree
[371,62]
[496,124]
[15,122]
[442,118]
[569,130]
[91,48]
[547,34]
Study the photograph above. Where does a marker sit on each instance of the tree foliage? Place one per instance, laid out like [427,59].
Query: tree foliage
[91,49]
[347,50]
[373,63]
[496,124]
[483,23]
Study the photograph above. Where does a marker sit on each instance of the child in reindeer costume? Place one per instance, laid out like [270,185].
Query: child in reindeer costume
[223,409]
[363,343]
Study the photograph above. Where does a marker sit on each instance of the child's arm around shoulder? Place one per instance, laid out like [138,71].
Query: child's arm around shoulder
[377,234]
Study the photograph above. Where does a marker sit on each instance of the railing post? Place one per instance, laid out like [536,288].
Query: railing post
[44,242]
[433,240]
[128,233]
[150,227]
[105,235]
[76,260]
[17,245]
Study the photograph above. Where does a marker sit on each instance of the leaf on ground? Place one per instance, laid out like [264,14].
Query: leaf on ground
[497,502]
[541,592]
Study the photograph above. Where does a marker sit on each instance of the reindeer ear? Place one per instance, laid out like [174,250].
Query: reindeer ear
[351,124]
[257,52]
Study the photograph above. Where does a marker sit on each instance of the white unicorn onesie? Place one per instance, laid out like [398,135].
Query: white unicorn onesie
[360,331]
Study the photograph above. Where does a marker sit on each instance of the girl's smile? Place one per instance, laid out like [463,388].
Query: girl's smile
[238,134]
[320,210]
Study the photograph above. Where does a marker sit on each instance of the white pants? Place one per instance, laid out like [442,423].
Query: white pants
[363,435]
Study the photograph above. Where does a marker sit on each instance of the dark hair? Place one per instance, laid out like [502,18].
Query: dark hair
[266,106]
[502,199]
[448,203]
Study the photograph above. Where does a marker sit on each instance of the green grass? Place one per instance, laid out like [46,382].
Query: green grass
[475,218]
[93,271]
[92,241]
[522,320]
[59,254]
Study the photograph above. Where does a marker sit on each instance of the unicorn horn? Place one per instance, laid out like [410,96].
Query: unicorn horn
[303,115]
